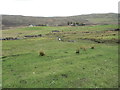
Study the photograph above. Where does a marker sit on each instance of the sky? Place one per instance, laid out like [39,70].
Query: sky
[50,8]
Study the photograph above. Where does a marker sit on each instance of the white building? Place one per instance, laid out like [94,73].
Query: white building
[30,25]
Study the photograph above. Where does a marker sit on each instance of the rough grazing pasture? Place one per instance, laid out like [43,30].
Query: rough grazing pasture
[95,66]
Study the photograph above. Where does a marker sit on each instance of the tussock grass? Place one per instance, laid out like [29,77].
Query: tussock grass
[41,53]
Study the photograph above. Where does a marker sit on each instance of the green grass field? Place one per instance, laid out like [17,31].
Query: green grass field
[61,67]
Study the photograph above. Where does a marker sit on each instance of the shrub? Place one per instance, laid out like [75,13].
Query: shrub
[77,51]
[92,47]
[41,53]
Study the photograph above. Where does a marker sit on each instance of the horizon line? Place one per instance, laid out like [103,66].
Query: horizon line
[58,16]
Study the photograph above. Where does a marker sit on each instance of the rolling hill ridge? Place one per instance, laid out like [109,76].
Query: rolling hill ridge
[89,19]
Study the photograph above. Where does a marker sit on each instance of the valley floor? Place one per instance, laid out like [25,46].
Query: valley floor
[95,66]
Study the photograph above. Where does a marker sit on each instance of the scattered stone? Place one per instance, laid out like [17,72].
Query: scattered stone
[40,35]
[71,40]
[9,38]
[55,31]
[116,29]
[86,32]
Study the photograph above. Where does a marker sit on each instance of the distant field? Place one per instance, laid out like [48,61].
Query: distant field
[95,66]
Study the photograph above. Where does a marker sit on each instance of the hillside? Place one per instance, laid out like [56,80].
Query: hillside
[18,20]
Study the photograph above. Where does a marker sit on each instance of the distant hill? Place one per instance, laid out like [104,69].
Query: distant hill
[90,19]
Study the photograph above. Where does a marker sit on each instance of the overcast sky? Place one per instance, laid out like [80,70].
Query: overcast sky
[57,7]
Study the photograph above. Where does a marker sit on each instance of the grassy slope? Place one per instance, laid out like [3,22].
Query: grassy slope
[9,21]
[61,67]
